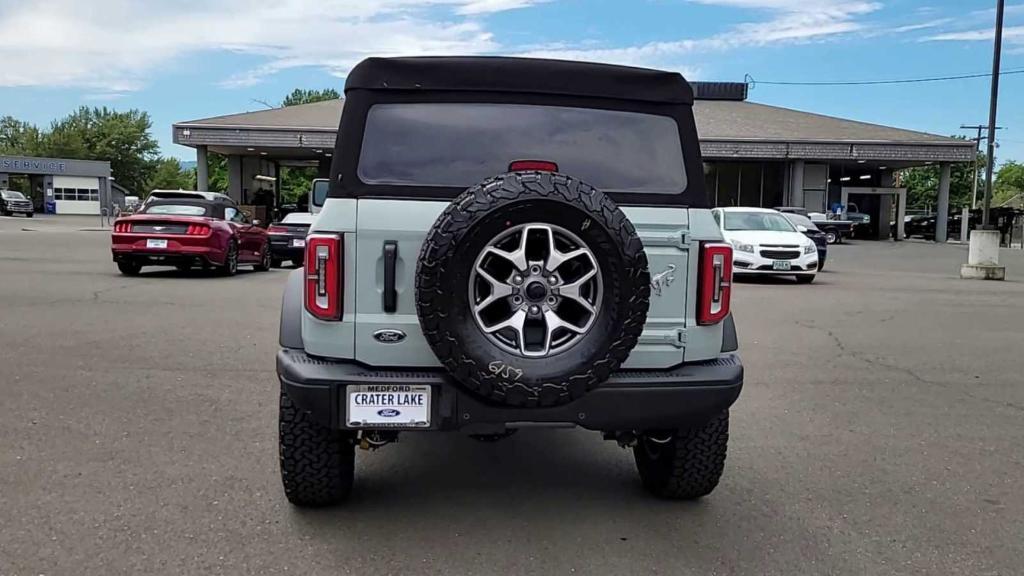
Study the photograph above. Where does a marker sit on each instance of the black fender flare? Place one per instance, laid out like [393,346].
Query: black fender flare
[290,335]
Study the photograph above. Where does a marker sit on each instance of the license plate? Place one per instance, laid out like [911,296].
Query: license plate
[781,265]
[156,243]
[388,406]
[299,242]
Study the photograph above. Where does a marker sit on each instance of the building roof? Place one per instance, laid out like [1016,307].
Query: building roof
[520,75]
[731,120]
[316,116]
[728,128]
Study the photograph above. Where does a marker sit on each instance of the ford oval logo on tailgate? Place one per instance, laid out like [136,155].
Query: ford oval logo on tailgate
[389,336]
[388,413]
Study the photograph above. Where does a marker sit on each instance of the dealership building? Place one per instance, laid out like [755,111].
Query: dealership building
[62,185]
[754,154]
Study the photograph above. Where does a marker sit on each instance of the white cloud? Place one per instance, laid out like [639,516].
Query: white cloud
[116,45]
[1012,34]
[787,22]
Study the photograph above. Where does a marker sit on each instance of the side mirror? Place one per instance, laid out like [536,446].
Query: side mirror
[801,228]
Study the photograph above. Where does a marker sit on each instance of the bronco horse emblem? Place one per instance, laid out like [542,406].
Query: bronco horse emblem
[663,279]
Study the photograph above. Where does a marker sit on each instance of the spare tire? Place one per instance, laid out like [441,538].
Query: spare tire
[532,288]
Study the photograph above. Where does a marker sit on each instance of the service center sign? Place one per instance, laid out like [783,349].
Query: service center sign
[32,165]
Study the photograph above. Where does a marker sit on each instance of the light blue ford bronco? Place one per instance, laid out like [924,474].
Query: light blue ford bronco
[510,243]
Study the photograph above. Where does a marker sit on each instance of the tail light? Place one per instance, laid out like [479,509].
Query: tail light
[324,276]
[715,283]
[277,230]
[197,230]
[526,165]
[122,227]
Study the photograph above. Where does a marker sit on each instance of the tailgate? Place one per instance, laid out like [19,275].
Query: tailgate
[385,229]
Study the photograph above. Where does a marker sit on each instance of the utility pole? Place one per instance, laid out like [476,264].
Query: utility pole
[983,249]
[977,150]
[992,109]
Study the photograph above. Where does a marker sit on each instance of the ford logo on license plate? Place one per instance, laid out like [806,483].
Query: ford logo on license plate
[388,413]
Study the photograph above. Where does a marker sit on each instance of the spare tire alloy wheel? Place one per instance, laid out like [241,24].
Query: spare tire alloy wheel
[535,289]
[532,288]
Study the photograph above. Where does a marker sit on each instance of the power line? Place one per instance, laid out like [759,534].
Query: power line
[753,82]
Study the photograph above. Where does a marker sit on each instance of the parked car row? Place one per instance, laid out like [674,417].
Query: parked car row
[206,230]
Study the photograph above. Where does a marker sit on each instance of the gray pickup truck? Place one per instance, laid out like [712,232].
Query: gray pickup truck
[507,244]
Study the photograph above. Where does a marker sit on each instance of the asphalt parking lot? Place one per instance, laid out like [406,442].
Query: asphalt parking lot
[879,432]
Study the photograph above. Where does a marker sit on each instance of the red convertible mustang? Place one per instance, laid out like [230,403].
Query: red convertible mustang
[189,229]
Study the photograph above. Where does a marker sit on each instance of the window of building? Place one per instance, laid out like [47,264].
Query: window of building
[78,194]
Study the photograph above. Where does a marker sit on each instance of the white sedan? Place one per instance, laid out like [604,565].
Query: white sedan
[765,242]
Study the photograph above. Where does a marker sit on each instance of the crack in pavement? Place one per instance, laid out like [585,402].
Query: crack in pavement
[909,372]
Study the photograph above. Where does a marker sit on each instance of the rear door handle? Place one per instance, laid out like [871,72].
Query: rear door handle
[390,263]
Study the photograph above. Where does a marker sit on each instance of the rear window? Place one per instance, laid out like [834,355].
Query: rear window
[760,221]
[177,209]
[458,145]
[298,218]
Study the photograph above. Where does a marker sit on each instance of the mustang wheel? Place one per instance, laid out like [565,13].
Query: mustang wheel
[129,268]
[230,266]
[265,262]
[531,288]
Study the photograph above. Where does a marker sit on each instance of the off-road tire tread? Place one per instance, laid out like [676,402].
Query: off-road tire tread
[456,221]
[317,463]
[696,460]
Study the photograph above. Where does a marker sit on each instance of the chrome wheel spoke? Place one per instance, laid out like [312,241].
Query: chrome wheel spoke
[499,291]
[572,290]
[556,258]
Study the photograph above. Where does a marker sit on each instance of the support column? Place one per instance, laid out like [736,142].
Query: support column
[202,169]
[901,214]
[235,178]
[796,183]
[942,216]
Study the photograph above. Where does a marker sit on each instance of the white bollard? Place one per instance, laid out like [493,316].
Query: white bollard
[983,257]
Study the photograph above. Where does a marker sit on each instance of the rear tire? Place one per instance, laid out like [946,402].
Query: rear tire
[805,279]
[831,236]
[129,268]
[230,266]
[265,261]
[317,463]
[686,466]
[29,215]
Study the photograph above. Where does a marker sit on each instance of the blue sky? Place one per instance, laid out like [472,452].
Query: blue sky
[192,59]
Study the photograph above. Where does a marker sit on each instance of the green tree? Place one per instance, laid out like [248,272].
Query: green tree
[1009,182]
[169,175]
[300,96]
[19,138]
[922,184]
[122,138]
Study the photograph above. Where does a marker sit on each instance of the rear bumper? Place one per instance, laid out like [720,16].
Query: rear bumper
[285,251]
[157,256]
[630,400]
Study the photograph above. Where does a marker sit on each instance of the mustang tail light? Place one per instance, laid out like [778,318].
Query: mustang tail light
[122,227]
[714,292]
[197,230]
[324,276]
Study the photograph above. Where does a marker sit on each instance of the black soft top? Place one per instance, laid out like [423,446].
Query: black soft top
[522,75]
